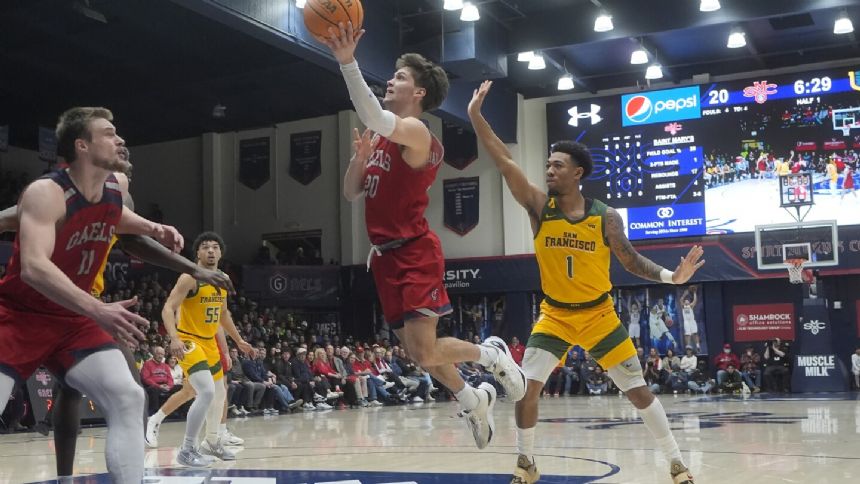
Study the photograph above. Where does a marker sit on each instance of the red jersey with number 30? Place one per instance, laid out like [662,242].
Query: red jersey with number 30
[395,193]
[83,239]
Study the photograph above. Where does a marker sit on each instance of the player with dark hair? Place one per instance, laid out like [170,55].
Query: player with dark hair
[193,315]
[66,221]
[393,172]
[574,237]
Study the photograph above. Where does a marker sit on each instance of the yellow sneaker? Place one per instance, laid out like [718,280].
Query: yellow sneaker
[526,471]
[681,475]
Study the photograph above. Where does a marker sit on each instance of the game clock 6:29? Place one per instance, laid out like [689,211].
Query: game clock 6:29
[813,86]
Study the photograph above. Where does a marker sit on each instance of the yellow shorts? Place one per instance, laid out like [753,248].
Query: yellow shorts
[598,330]
[201,354]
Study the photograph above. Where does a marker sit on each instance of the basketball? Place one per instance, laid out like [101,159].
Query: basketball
[322,14]
[669,322]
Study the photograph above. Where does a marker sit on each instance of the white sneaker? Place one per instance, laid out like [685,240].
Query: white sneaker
[745,389]
[388,385]
[480,418]
[243,411]
[308,406]
[231,439]
[323,406]
[318,398]
[151,436]
[192,458]
[217,450]
[506,370]
[430,398]
[333,395]
[417,399]
[375,403]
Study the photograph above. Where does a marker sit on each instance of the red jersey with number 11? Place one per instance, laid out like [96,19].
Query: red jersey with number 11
[395,193]
[83,239]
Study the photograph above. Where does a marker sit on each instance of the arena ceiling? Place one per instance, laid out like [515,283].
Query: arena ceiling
[163,65]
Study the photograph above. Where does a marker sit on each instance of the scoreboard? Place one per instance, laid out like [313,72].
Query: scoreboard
[707,159]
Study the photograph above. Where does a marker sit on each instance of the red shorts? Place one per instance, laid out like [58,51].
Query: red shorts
[30,340]
[409,281]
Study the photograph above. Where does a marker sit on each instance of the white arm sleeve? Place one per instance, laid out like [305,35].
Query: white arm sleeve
[366,105]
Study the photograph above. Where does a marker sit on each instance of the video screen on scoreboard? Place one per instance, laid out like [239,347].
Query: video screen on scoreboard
[707,159]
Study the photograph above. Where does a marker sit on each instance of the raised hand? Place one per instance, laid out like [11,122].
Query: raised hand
[342,41]
[214,278]
[689,265]
[478,96]
[362,145]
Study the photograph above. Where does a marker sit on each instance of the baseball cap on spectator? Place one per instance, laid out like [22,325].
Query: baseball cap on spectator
[360,349]
[727,346]
[301,350]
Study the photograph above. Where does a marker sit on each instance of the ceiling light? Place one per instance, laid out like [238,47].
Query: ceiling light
[709,5]
[639,56]
[843,25]
[737,39]
[654,71]
[525,56]
[453,4]
[603,22]
[470,13]
[565,82]
[537,63]
[301,3]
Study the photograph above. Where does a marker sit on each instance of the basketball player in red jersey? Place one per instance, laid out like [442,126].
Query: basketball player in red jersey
[66,408]
[393,171]
[47,315]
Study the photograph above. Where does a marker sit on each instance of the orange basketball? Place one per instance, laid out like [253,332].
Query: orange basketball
[322,14]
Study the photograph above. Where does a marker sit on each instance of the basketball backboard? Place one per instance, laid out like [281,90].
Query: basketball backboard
[816,242]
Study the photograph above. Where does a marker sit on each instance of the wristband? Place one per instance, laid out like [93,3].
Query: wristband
[666,276]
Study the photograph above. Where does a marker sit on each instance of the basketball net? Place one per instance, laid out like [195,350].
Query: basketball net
[795,270]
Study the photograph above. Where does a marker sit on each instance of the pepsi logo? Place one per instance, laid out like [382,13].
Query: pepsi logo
[638,108]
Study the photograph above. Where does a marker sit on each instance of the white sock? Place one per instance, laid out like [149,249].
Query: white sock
[468,398]
[526,441]
[222,429]
[158,417]
[489,355]
[655,419]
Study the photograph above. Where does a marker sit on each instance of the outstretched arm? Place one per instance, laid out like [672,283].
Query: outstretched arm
[637,264]
[526,194]
[409,132]
[9,219]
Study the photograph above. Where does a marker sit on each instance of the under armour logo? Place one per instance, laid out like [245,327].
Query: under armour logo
[575,115]
[814,326]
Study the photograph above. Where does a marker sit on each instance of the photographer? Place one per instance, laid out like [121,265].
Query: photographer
[652,376]
[776,374]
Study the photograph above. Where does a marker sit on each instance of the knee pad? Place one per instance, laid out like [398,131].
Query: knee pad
[627,375]
[538,364]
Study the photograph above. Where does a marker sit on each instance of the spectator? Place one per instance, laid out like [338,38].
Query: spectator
[855,368]
[517,350]
[252,380]
[359,382]
[376,387]
[412,372]
[652,375]
[699,380]
[323,369]
[640,353]
[689,362]
[732,380]
[654,358]
[236,388]
[776,375]
[675,379]
[750,361]
[570,372]
[175,371]
[670,360]
[302,372]
[284,376]
[589,365]
[157,379]
[597,382]
[721,362]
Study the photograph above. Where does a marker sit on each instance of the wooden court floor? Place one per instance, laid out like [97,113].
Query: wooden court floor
[766,438]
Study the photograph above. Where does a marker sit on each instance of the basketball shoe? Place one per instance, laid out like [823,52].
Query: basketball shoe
[506,370]
[526,471]
[480,418]
[680,474]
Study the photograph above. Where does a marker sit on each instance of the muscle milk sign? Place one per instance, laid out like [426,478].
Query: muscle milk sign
[816,368]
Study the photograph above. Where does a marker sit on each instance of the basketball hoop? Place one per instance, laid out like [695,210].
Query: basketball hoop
[795,270]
